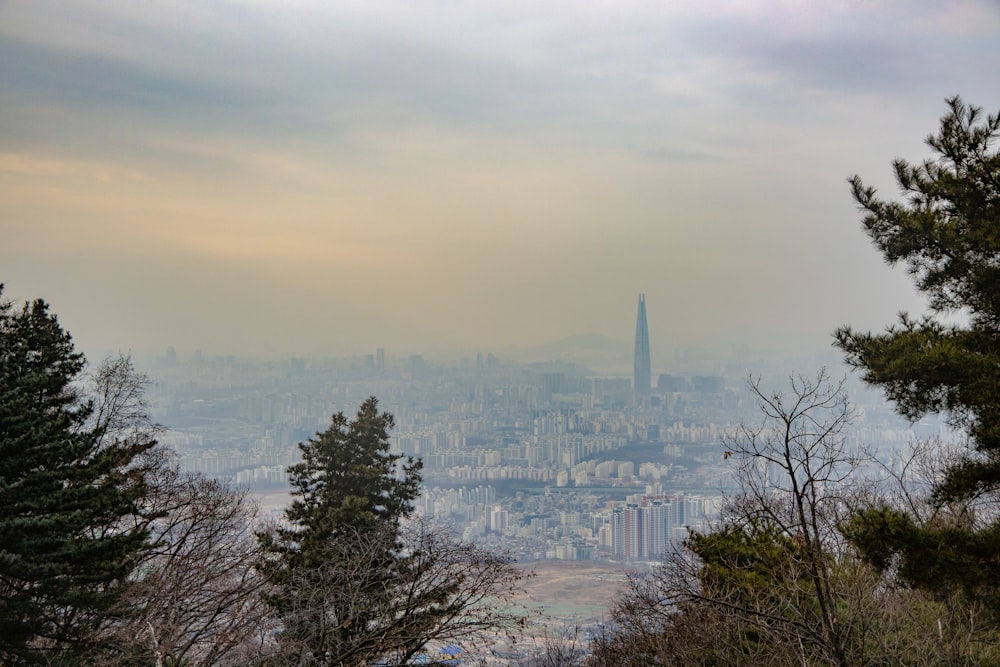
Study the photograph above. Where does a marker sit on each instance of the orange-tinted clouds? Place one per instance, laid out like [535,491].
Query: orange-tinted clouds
[268,178]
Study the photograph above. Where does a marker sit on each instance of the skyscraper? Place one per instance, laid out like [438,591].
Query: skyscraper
[641,381]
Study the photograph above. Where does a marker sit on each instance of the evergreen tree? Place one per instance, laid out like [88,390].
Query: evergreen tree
[334,566]
[356,579]
[67,497]
[947,233]
[348,479]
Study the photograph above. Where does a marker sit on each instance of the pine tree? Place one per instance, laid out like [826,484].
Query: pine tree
[347,478]
[67,495]
[335,565]
[947,233]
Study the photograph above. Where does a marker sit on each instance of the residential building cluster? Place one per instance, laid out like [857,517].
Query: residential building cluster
[547,460]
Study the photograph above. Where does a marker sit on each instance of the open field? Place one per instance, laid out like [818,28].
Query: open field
[573,591]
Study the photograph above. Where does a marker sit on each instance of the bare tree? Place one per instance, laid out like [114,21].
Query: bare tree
[195,600]
[776,581]
[117,390]
[194,593]
[794,469]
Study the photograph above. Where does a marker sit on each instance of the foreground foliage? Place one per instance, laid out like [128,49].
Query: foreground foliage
[808,567]
[110,555]
[772,582]
[777,583]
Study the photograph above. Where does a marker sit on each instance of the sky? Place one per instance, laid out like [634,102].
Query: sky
[327,178]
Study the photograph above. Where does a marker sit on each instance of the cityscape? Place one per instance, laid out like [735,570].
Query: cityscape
[384,334]
[547,460]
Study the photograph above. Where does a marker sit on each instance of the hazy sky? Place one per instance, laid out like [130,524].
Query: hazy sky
[331,177]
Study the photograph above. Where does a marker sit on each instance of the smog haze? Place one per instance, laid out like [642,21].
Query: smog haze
[271,179]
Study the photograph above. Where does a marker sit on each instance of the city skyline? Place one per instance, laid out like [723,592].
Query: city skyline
[312,178]
[554,464]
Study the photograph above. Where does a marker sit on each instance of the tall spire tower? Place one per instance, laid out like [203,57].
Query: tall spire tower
[641,381]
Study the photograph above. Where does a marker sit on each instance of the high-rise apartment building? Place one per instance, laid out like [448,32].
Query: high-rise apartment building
[644,530]
[641,378]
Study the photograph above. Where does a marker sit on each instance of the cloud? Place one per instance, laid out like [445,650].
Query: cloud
[501,172]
